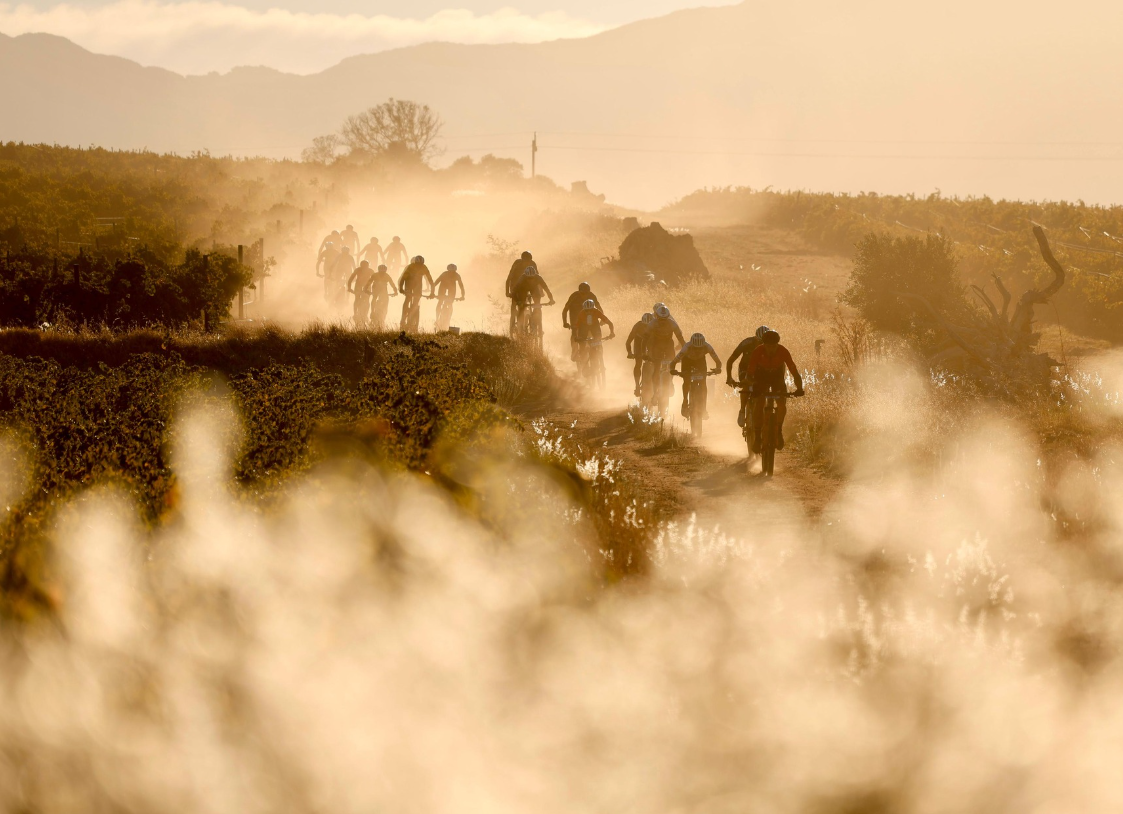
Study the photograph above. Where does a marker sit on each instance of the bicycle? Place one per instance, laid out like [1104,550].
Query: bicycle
[695,388]
[529,322]
[444,312]
[591,360]
[768,432]
[662,386]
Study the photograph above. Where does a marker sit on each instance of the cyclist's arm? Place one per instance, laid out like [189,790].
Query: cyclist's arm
[402,277]
[350,280]
[460,282]
[737,354]
[678,333]
[606,320]
[629,343]
[567,312]
[432,285]
[549,293]
[393,287]
[717,360]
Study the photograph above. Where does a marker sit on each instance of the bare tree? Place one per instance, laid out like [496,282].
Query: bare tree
[324,149]
[394,126]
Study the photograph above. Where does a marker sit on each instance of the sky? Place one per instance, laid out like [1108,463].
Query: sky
[306,36]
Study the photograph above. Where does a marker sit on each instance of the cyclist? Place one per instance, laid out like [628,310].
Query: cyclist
[635,345]
[359,285]
[334,238]
[766,372]
[380,281]
[743,352]
[444,289]
[394,254]
[572,306]
[660,349]
[350,238]
[341,271]
[514,277]
[325,264]
[411,284]
[587,331]
[372,252]
[692,356]
[527,292]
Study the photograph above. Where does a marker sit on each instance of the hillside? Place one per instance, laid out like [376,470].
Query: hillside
[971,100]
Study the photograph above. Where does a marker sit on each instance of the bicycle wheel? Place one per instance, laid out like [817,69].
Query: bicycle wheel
[768,441]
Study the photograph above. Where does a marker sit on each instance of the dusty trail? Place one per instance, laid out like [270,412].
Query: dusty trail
[709,478]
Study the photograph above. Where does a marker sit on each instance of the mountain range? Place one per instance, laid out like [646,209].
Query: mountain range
[803,94]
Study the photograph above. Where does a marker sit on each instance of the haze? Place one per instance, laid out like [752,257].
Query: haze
[974,99]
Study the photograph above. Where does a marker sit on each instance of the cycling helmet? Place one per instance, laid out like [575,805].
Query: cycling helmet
[588,305]
[346,250]
[761,331]
[527,256]
[698,340]
[771,338]
[349,226]
[382,268]
[584,287]
[657,306]
[451,267]
[396,237]
[364,265]
[648,318]
[530,271]
[662,311]
[419,260]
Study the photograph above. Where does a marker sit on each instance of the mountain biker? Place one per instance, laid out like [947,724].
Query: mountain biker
[569,314]
[635,344]
[380,281]
[372,252]
[444,289]
[514,276]
[692,356]
[411,284]
[766,372]
[350,238]
[394,254]
[325,262]
[586,325]
[660,347]
[341,271]
[530,288]
[359,285]
[334,238]
[743,351]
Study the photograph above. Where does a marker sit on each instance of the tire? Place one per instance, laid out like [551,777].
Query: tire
[768,443]
[695,413]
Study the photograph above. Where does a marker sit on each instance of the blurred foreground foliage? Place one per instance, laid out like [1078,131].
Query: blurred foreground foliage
[90,409]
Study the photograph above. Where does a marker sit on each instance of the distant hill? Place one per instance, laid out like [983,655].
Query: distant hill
[810,94]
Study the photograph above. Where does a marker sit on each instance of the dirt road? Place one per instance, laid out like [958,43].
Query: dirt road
[710,478]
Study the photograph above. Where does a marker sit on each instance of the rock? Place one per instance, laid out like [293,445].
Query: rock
[672,258]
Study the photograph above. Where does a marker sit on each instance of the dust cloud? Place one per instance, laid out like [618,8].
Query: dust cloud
[939,644]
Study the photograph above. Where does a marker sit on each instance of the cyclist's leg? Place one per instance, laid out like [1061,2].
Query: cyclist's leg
[637,374]
[378,311]
[703,396]
[516,312]
[742,415]
[758,421]
[407,305]
[781,412]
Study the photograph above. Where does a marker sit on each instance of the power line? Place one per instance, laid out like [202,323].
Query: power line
[850,156]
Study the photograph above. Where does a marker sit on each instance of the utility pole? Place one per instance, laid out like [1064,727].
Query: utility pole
[534,156]
[241,291]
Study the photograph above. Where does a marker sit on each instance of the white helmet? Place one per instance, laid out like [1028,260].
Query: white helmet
[530,271]
[761,331]
[662,311]
[698,340]
[648,318]
[451,267]
[588,305]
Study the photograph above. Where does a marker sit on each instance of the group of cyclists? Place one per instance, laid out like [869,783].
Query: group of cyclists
[660,351]
[368,275]
[656,342]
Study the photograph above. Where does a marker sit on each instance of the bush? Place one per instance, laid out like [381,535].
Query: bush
[886,267]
